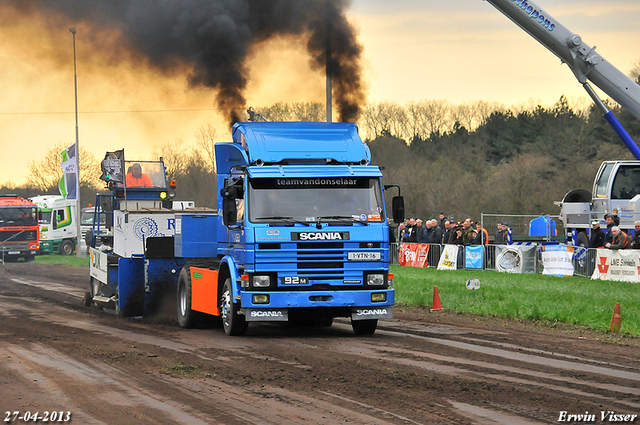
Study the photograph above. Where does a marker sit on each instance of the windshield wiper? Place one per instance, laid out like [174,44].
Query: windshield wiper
[350,219]
[284,218]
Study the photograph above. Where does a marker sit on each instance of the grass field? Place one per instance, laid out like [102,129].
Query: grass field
[571,300]
[70,260]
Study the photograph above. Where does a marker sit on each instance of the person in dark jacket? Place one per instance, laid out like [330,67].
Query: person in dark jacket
[436,232]
[420,232]
[392,233]
[597,235]
[477,238]
[457,237]
[620,239]
[447,232]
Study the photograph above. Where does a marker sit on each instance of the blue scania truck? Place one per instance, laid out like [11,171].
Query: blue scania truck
[300,233]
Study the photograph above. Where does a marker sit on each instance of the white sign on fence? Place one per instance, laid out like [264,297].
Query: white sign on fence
[449,258]
[622,265]
[556,260]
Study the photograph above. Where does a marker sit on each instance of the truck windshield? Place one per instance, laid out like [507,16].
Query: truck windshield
[146,174]
[600,187]
[626,183]
[87,218]
[313,199]
[45,217]
[18,217]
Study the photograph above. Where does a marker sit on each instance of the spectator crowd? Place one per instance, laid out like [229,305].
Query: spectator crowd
[446,231]
[613,237]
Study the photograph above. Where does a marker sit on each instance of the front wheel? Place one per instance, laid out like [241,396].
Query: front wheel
[232,322]
[67,247]
[364,327]
[186,316]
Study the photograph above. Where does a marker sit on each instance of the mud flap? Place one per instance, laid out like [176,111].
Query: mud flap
[368,313]
[131,286]
[266,314]
[160,281]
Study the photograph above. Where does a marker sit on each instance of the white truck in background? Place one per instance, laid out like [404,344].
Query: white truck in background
[57,221]
[617,183]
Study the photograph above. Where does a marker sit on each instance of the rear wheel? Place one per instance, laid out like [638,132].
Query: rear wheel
[364,327]
[232,322]
[67,247]
[186,316]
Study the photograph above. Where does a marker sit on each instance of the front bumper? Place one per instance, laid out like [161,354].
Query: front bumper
[358,304]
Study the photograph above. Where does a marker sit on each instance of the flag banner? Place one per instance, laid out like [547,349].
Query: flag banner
[621,265]
[113,167]
[473,257]
[413,255]
[449,258]
[69,184]
[516,258]
[557,260]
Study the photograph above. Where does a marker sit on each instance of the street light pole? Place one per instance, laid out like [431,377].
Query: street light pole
[80,252]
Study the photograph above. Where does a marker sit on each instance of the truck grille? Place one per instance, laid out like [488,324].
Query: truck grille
[18,235]
[322,262]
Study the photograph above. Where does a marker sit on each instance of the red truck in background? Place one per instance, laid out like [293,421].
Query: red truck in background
[19,231]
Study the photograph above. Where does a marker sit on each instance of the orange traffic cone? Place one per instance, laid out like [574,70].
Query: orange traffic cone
[616,320]
[436,300]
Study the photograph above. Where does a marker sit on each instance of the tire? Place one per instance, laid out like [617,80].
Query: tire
[186,316]
[86,300]
[233,323]
[364,327]
[324,322]
[67,247]
[94,285]
[582,239]
[29,258]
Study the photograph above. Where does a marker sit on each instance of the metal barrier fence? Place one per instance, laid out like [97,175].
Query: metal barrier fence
[583,259]
[548,228]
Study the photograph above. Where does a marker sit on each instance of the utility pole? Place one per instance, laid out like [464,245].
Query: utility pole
[328,62]
[79,252]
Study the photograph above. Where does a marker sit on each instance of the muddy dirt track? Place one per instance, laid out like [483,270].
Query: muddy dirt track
[419,368]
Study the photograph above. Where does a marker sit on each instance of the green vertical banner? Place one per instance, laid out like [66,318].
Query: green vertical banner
[69,184]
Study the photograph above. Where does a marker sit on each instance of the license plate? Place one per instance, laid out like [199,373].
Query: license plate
[13,252]
[363,256]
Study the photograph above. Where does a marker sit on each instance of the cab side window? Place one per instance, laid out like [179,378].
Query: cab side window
[59,216]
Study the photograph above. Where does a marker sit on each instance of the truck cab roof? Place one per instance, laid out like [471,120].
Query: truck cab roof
[305,142]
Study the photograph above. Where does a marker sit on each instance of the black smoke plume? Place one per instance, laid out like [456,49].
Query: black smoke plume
[214,37]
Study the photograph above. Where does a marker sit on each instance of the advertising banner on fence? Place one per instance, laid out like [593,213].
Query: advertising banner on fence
[516,258]
[622,265]
[449,258]
[473,257]
[413,255]
[556,260]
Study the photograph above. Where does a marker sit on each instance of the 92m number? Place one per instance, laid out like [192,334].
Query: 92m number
[295,280]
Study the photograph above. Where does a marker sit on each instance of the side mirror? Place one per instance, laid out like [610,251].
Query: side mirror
[397,209]
[229,211]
